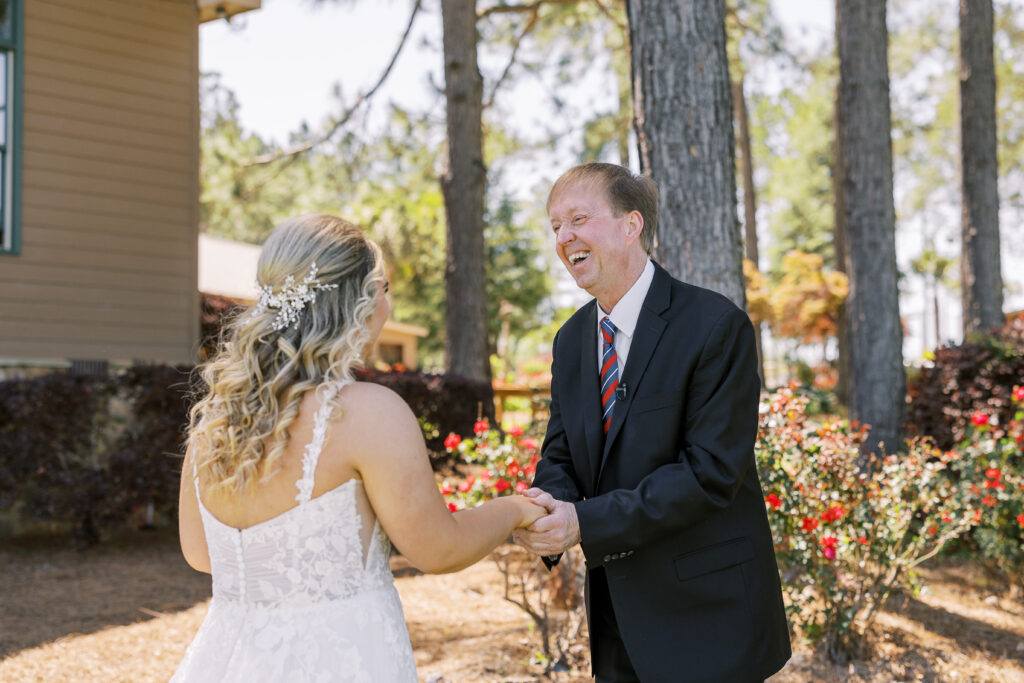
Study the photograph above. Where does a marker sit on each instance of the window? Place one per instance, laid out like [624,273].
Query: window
[10,124]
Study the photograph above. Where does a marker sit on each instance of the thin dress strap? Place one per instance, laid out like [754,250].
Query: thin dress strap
[311,454]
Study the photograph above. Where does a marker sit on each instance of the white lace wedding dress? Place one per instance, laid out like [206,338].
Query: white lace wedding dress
[305,596]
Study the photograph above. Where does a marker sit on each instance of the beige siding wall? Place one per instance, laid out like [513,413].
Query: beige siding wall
[110,189]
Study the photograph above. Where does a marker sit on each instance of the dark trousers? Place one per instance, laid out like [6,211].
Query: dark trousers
[609,660]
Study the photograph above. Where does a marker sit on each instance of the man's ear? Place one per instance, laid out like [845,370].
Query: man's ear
[634,226]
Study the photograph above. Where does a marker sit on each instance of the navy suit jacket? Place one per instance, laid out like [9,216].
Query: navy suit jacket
[668,501]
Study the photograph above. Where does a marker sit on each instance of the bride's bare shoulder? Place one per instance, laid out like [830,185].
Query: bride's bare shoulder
[372,405]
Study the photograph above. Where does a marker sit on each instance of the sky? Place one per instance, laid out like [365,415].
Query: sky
[284,61]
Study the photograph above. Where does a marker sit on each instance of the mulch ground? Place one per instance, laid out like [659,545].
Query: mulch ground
[126,611]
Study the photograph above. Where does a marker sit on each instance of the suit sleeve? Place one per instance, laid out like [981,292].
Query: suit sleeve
[716,454]
[555,472]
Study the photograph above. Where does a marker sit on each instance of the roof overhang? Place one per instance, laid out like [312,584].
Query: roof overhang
[210,10]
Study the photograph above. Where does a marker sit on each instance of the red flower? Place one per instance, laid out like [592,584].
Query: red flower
[809,524]
[833,514]
[465,486]
[528,444]
[452,441]
[979,419]
[485,475]
[530,469]
[829,552]
[502,485]
[452,507]
[933,530]
[977,515]
[863,540]
[1020,519]
[989,501]
[513,469]
[481,427]
[515,431]
[993,474]
[774,501]
[398,367]
[828,546]
[446,488]
[521,486]
[1018,394]
[946,517]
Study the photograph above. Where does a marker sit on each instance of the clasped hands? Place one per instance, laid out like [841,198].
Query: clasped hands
[555,532]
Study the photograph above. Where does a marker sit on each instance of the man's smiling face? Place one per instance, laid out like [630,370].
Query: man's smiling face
[593,242]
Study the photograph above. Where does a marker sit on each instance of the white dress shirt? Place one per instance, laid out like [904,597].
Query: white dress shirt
[624,316]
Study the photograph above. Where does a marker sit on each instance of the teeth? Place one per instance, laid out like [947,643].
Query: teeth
[578,256]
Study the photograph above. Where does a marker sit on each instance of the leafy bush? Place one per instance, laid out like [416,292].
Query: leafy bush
[846,537]
[504,464]
[976,376]
[993,465]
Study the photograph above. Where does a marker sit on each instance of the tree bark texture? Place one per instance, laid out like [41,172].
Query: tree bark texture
[981,278]
[466,348]
[683,108]
[877,380]
[750,252]
[839,249]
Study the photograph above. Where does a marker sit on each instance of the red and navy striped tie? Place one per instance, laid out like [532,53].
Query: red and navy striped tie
[609,372]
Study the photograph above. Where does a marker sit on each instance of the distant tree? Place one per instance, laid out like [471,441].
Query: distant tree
[980,265]
[932,268]
[877,381]
[685,135]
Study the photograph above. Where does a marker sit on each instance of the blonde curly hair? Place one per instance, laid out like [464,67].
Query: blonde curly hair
[257,380]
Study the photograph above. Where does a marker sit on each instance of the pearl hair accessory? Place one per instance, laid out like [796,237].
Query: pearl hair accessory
[291,299]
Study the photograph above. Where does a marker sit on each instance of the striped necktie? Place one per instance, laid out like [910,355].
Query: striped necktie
[609,372]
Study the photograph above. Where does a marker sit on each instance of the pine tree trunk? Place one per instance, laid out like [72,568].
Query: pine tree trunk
[981,279]
[466,348]
[749,198]
[839,248]
[877,380]
[683,109]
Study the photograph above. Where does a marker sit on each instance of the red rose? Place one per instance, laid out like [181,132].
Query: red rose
[979,419]
[989,501]
[452,441]
[481,427]
[513,469]
[1018,394]
[1020,519]
[774,501]
[809,524]
[993,474]
[446,488]
[829,552]
[465,486]
[502,485]
[522,486]
[833,514]
[933,530]
[515,431]
[863,540]
[452,507]
[528,444]
[829,541]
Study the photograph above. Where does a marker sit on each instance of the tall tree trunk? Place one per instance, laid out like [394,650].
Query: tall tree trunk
[839,248]
[750,252]
[466,348]
[981,279]
[877,381]
[683,109]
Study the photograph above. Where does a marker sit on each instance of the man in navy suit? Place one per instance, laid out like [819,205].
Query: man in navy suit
[648,461]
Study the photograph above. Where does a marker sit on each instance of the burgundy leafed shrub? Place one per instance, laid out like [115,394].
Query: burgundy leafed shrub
[976,376]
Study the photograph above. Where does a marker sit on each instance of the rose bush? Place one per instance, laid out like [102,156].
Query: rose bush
[992,467]
[848,531]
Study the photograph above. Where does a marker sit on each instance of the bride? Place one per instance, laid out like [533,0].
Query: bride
[296,477]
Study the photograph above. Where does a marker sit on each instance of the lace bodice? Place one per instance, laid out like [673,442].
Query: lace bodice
[304,596]
[327,548]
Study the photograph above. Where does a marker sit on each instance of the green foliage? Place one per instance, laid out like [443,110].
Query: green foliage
[846,536]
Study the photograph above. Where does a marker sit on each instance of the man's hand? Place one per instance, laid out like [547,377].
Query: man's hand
[554,533]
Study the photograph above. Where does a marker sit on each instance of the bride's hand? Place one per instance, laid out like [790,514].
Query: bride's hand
[530,512]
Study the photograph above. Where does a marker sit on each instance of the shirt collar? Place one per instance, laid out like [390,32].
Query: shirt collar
[627,311]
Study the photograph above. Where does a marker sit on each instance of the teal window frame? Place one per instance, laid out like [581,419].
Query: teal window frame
[10,188]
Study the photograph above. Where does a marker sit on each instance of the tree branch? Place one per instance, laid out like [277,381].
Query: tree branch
[529,7]
[530,24]
[291,153]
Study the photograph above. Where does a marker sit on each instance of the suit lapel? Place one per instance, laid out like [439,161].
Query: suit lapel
[649,328]
[590,398]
